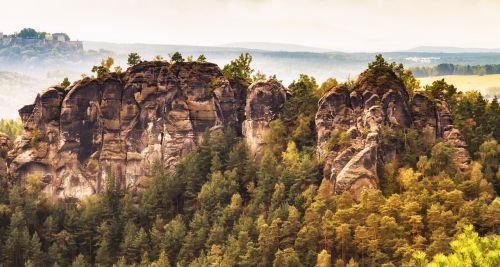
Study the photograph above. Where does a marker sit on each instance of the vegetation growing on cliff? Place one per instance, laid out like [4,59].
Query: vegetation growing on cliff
[133,59]
[12,128]
[221,208]
[239,70]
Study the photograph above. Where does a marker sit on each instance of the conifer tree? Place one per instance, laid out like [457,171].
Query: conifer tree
[324,259]
[162,261]
[18,243]
[79,262]
[287,258]
[35,251]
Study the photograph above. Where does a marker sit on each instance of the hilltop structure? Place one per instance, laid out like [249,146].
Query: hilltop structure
[40,40]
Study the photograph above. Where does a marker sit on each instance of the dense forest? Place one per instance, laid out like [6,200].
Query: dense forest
[220,208]
[454,69]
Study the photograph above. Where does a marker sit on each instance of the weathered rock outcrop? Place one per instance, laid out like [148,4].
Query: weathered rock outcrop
[264,102]
[437,116]
[350,124]
[76,137]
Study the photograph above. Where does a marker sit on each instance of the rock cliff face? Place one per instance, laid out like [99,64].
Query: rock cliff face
[76,137]
[437,116]
[350,124]
[263,104]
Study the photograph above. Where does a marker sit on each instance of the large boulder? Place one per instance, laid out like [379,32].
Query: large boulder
[264,102]
[78,137]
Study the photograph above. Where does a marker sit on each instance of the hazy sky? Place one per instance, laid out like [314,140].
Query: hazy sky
[349,25]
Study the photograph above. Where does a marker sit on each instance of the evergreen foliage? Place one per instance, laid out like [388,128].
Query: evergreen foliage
[133,59]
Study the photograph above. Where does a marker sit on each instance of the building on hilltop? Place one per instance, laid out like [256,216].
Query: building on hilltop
[40,40]
[60,37]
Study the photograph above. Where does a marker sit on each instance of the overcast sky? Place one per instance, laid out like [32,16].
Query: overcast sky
[349,25]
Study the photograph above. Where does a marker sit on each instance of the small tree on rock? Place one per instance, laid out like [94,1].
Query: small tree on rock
[201,59]
[133,59]
[104,69]
[176,57]
[65,82]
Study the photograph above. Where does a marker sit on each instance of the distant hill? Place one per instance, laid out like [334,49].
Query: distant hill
[451,49]
[284,47]
[125,48]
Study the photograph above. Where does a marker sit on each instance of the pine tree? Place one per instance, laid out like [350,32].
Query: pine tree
[103,254]
[324,259]
[35,251]
[201,59]
[121,262]
[276,139]
[287,258]
[239,70]
[176,57]
[267,176]
[127,247]
[54,254]
[352,263]
[133,59]
[162,261]
[17,243]
[79,262]
[156,234]
[343,236]
[328,225]
[175,232]
[140,245]
[269,241]
[290,228]
[145,261]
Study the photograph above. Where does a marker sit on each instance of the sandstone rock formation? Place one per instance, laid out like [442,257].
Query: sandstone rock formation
[350,124]
[76,137]
[437,116]
[264,102]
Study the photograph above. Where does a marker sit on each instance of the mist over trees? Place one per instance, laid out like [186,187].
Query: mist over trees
[454,69]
